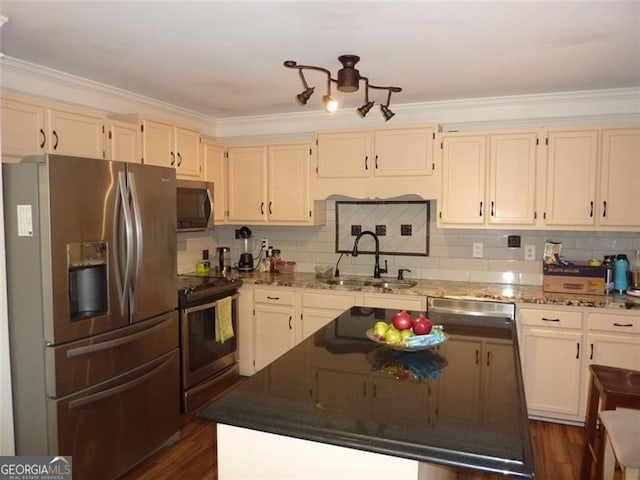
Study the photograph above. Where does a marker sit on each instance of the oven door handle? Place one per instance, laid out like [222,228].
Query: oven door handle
[197,308]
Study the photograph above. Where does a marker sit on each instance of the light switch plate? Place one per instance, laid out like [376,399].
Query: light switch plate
[529,252]
[477,250]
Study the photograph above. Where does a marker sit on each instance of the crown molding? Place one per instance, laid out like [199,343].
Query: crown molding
[549,109]
[23,77]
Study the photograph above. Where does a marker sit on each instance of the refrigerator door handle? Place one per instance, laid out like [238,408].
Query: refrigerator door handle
[122,208]
[137,217]
[118,389]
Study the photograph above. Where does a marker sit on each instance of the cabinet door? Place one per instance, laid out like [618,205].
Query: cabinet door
[313,319]
[288,180]
[463,179]
[215,170]
[500,411]
[512,175]
[23,129]
[344,155]
[551,370]
[614,350]
[158,143]
[76,133]
[247,168]
[571,177]
[403,152]
[274,334]
[123,142]
[188,164]
[460,380]
[620,178]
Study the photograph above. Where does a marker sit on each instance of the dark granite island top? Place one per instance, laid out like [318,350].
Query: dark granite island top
[460,405]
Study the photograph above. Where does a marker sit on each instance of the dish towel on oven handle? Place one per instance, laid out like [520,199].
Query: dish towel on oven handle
[224,327]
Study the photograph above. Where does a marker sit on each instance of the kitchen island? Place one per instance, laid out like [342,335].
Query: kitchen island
[339,405]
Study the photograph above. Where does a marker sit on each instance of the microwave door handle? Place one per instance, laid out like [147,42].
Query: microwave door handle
[137,218]
[121,209]
[207,207]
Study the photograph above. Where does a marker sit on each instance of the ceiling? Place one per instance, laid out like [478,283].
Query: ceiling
[225,58]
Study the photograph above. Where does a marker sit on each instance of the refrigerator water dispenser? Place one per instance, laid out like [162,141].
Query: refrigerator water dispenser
[87,279]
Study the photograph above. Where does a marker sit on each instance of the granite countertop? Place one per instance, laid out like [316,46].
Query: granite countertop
[443,288]
[340,388]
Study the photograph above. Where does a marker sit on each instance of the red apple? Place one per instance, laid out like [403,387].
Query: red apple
[402,320]
[422,325]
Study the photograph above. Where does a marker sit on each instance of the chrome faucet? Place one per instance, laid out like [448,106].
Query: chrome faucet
[376,268]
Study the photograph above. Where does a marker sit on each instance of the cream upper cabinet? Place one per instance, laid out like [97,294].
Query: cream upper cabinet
[270,184]
[123,141]
[344,154]
[572,158]
[376,163]
[464,160]
[247,187]
[288,183]
[23,129]
[167,145]
[32,127]
[215,170]
[620,178]
[488,179]
[593,178]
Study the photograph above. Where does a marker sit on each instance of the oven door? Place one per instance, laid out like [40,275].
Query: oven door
[202,355]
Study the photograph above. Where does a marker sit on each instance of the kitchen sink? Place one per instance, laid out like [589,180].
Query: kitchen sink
[371,282]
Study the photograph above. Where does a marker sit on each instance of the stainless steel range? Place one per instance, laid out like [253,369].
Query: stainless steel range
[208,362]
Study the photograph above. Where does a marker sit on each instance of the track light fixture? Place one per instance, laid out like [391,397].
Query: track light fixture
[348,80]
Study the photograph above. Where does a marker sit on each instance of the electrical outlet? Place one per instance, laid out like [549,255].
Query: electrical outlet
[529,252]
[477,250]
[265,243]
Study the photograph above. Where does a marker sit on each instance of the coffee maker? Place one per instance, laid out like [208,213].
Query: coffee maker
[245,263]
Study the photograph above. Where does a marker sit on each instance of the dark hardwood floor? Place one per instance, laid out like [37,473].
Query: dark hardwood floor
[557,452]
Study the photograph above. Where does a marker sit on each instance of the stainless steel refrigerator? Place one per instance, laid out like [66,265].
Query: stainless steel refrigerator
[93,327]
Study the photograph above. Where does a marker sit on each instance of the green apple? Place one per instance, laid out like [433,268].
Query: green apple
[392,335]
[380,328]
[406,333]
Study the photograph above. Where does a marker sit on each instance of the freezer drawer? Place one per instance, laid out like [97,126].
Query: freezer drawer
[110,428]
[84,363]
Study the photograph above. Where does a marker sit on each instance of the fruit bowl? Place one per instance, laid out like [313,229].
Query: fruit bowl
[413,344]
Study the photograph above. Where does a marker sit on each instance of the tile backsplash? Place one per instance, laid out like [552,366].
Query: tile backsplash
[450,250]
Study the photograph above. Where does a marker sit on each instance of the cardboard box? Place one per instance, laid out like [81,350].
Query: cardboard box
[575,278]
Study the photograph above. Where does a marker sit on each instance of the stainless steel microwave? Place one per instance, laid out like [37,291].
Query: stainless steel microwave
[194,205]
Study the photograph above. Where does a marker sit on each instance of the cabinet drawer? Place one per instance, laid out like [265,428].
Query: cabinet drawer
[398,302]
[334,301]
[608,322]
[551,318]
[274,296]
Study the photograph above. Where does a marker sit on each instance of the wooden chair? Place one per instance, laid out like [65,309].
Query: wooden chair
[622,443]
[610,388]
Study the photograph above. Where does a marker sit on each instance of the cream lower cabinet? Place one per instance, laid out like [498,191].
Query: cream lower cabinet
[551,354]
[32,127]
[320,307]
[270,184]
[274,314]
[488,179]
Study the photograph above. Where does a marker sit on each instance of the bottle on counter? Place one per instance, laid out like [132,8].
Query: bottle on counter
[275,257]
[621,274]
[609,267]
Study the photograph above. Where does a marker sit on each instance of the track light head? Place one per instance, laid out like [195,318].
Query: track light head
[364,109]
[386,113]
[303,97]
[330,104]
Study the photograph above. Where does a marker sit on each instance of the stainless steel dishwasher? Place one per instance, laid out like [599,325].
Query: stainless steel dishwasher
[470,312]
